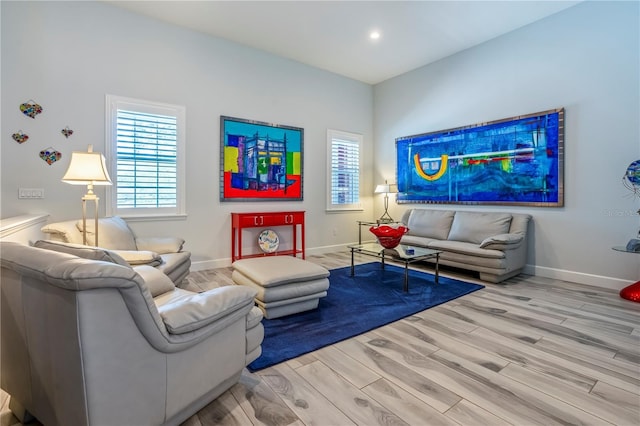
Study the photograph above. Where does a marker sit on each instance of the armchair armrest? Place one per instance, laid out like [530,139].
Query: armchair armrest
[160,245]
[198,310]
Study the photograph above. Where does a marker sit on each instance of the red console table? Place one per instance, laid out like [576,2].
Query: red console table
[239,221]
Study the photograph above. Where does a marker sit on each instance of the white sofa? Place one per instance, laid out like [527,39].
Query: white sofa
[494,244]
[86,341]
[163,253]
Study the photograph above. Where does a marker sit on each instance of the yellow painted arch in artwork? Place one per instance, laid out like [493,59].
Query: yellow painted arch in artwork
[444,161]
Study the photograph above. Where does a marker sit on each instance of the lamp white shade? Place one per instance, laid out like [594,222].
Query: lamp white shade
[386,188]
[87,168]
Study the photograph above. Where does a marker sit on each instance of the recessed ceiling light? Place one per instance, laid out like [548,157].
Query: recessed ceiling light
[374,35]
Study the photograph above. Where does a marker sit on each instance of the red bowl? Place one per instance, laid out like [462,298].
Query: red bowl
[388,236]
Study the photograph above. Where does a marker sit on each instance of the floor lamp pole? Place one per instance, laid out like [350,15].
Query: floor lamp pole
[89,197]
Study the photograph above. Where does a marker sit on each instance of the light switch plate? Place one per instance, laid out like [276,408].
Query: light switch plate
[31,193]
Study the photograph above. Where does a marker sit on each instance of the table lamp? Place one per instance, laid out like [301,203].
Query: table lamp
[386,189]
[87,168]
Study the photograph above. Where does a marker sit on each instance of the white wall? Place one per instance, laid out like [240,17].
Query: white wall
[67,55]
[585,59]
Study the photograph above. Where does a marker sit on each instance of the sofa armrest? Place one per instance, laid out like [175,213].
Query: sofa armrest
[198,310]
[502,242]
[160,245]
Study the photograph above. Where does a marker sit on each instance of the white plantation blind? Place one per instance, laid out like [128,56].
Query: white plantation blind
[147,160]
[344,160]
[146,157]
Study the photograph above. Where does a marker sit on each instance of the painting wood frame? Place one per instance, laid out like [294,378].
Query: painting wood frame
[260,161]
[513,161]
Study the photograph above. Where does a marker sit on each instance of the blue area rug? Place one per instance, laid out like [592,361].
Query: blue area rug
[355,305]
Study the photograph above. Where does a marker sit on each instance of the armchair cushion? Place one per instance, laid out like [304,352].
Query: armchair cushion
[114,233]
[194,311]
[138,257]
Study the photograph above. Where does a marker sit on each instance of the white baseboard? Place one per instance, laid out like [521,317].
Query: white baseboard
[202,265]
[540,271]
[577,277]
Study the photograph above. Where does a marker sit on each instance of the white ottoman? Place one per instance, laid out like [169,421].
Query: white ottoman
[286,285]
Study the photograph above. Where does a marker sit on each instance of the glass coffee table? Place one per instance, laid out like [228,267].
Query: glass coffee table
[402,253]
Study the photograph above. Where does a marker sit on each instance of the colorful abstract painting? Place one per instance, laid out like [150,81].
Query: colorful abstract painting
[514,161]
[260,161]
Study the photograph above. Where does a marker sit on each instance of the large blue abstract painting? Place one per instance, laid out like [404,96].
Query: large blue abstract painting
[514,161]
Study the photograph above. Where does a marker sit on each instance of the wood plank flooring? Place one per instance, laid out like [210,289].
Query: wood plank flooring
[529,351]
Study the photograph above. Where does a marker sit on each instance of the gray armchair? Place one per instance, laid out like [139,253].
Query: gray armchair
[164,253]
[91,342]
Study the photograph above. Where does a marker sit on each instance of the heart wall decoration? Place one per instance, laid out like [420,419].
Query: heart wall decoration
[50,155]
[66,132]
[31,108]
[20,137]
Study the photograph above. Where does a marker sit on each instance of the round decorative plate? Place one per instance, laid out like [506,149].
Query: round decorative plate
[268,241]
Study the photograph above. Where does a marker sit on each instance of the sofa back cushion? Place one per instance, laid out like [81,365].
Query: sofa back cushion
[114,233]
[474,227]
[430,223]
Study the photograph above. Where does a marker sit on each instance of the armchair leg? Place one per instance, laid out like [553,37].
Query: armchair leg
[20,412]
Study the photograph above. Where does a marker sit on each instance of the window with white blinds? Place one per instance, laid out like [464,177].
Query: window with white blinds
[146,155]
[344,174]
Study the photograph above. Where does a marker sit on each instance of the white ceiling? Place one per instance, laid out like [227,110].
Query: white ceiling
[334,35]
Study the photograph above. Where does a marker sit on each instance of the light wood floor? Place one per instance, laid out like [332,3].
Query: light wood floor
[526,352]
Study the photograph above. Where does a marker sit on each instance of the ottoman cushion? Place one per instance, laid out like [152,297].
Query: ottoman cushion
[284,291]
[289,307]
[271,271]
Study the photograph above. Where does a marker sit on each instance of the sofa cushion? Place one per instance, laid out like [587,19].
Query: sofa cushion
[86,252]
[470,250]
[114,233]
[430,223]
[474,227]
[412,240]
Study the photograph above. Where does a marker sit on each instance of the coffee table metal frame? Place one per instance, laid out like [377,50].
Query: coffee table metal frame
[402,253]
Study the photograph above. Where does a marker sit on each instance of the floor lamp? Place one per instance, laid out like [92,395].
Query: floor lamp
[87,168]
[386,189]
